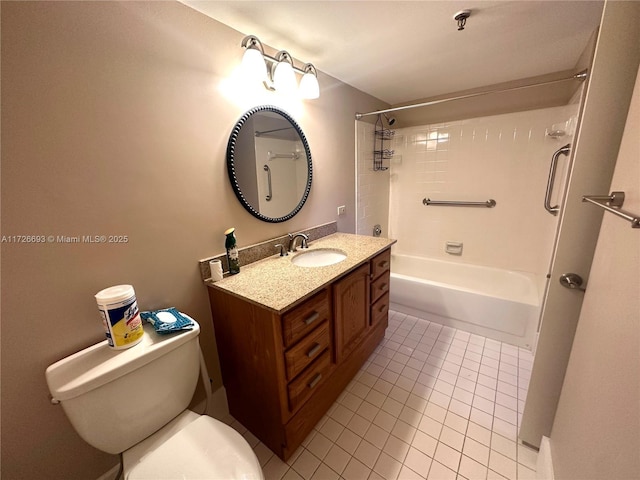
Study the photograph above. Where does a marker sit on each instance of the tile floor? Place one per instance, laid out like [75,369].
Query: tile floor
[431,402]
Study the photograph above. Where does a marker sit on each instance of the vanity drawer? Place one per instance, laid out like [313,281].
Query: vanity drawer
[307,350]
[381,263]
[305,317]
[380,286]
[380,310]
[308,382]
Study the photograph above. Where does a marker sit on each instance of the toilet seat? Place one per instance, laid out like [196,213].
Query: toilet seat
[205,449]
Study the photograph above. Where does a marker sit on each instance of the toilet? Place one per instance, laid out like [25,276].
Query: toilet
[134,402]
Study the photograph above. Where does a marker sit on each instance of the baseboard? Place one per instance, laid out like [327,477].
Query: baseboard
[544,467]
[111,474]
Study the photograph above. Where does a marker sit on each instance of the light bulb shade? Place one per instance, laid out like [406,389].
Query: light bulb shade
[253,65]
[284,78]
[309,87]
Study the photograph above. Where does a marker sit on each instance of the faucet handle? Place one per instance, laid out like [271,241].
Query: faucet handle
[283,250]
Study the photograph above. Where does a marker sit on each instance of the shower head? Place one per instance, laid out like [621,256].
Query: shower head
[390,120]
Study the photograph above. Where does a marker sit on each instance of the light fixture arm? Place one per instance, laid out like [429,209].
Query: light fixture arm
[251,41]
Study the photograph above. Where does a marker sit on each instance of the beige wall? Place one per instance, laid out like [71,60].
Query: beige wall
[596,432]
[115,119]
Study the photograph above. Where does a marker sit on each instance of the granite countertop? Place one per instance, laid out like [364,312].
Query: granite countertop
[277,284]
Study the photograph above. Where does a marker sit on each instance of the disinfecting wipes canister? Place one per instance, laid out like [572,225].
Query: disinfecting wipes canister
[119,310]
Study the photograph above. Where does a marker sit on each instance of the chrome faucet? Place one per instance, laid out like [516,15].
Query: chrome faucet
[292,241]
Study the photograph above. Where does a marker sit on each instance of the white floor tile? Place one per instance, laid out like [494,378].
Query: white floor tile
[359,425]
[385,420]
[331,429]
[337,459]
[453,439]
[319,445]
[324,473]
[448,456]
[458,423]
[471,469]
[348,441]
[377,436]
[481,418]
[355,470]
[440,472]
[396,448]
[399,394]
[505,429]
[430,426]
[504,446]
[480,434]
[367,453]
[403,431]
[418,461]
[306,465]
[408,474]
[432,402]
[291,475]
[476,451]
[274,469]
[387,467]
[459,408]
[410,416]
[503,465]
[425,443]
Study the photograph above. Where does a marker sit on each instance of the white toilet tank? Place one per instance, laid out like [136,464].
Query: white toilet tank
[116,398]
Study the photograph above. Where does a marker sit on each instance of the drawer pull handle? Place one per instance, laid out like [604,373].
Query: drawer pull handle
[315,380]
[314,350]
[383,287]
[382,308]
[311,318]
[384,264]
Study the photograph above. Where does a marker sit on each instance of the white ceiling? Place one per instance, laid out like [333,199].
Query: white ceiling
[400,51]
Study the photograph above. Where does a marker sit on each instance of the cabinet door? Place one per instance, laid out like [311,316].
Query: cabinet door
[351,303]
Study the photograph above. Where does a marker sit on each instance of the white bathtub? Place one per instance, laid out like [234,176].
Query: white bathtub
[499,304]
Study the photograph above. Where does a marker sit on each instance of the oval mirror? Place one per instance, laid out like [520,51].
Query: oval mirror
[269,164]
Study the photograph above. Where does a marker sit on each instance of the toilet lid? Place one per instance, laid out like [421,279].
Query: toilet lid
[206,449]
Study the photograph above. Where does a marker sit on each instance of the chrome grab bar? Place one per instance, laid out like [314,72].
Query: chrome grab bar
[489,203]
[292,155]
[552,177]
[270,194]
[612,203]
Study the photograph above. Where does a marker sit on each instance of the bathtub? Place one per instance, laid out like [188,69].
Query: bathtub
[499,304]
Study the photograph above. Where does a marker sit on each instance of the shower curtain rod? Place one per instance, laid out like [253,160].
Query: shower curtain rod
[578,76]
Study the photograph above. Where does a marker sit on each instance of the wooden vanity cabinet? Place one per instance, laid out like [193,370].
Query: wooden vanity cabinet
[380,283]
[282,371]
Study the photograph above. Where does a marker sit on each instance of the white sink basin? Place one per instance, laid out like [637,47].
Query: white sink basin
[319,258]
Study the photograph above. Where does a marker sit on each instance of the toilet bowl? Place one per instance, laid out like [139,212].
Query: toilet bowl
[134,402]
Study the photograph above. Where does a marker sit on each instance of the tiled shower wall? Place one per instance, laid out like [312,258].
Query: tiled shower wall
[372,195]
[502,157]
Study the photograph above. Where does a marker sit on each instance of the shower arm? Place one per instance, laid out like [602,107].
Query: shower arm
[578,76]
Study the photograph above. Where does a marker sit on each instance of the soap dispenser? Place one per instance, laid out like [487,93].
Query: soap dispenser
[232,251]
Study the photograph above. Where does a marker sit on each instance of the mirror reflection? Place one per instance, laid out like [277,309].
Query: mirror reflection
[269,164]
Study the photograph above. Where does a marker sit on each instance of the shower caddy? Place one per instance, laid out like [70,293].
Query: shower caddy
[380,152]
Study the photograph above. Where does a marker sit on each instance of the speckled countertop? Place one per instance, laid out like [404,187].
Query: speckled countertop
[276,283]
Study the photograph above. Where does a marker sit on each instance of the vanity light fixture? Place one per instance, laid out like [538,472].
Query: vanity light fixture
[284,79]
[281,75]
[309,87]
[253,65]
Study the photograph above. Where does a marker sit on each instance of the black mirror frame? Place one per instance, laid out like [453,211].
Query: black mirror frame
[231,170]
